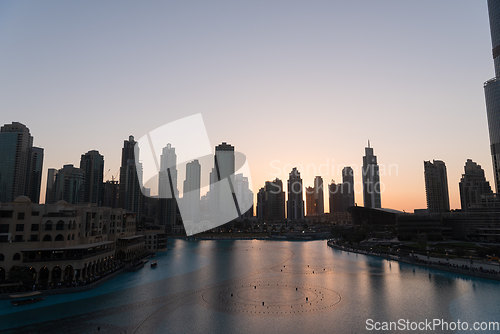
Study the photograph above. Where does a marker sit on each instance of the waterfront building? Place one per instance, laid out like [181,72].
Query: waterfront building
[92,164]
[371,180]
[492,91]
[473,186]
[436,186]
[20,163]
[295,203]
[62,242]
[130,196]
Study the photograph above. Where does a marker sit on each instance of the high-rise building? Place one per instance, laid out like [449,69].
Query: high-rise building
[18,174]
[315,199]
[191,191]
[335,197]
[492,91]
[69,184]
[110,194]
[168,173]
[243,194]
[312,210]
[50,190]
[221,193]
[92,163]
[473,186]
[347,188]
[35,174]
[295,203]
[130,195]
[271,201]
[436,186]
[371,180]
[319,195]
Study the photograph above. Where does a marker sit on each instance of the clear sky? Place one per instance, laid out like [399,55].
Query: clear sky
[286,82]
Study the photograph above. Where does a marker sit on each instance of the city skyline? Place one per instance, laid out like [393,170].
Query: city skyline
[388,93]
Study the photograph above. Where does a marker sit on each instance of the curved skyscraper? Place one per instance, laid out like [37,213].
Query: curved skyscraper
[492,91]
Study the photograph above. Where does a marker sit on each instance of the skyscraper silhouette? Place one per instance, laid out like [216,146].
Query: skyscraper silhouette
[295,203]
[436,186]
[492,91]
[130,195]
[473,186]
[92,164]
[371,180]
[19,175]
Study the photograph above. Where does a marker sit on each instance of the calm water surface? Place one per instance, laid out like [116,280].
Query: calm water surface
[238,286]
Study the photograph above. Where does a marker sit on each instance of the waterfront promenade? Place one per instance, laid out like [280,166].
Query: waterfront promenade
[458,266]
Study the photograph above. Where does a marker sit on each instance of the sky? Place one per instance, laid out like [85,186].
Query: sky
[288,83]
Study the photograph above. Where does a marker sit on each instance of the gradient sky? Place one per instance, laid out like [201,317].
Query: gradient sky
[285,82]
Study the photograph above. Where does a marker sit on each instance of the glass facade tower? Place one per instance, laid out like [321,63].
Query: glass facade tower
[492,91]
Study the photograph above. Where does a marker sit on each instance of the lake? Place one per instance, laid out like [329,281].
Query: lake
[257,286]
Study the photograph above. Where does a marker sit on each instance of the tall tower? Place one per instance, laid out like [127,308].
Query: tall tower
[295,203]
[371,180]
[472,185]
[15,154]
[224,167]
[492,91]
[335,197]
[319,196]
[271,201]
[50,190]
[168,173]
[347,188]
[35,174]
[92,164]
[69,184]
[130,196]
[167,190]
[191,190]
[436,186]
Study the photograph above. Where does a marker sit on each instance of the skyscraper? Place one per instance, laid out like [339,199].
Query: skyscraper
[18,174]
[319,195]
[130,196]
[312,209]
[347,188]
[92,164]
[69,184]
[168,173]
[271,201]
[224,168]
[315,199]
[335,197]
[35,174]
[50,190]
[492,91]
[191,190]
[371,180]
[295,203]
[473,185]
[436,186]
